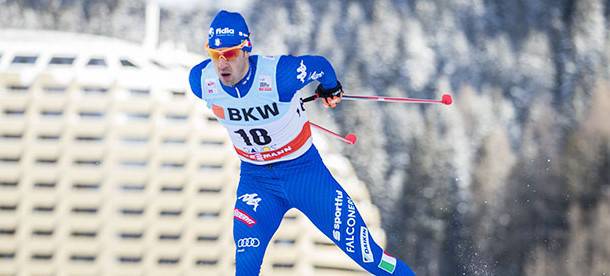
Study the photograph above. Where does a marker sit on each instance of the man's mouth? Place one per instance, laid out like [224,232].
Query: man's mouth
[225,74]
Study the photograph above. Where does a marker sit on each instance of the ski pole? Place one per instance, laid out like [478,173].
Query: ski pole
[445,99]
[349,138]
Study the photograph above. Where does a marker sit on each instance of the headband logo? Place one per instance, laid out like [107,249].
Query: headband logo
[225,31]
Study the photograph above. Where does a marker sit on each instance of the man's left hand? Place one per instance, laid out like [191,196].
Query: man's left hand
[330,97]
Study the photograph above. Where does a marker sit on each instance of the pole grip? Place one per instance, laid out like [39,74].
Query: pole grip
[310,98]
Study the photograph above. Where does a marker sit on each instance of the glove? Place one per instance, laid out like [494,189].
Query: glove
[330,97]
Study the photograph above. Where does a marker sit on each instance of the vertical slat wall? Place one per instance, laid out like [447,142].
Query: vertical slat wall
[112,168]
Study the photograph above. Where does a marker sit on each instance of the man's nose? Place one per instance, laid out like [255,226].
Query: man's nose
[222,62]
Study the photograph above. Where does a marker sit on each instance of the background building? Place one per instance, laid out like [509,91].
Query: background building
[109,166]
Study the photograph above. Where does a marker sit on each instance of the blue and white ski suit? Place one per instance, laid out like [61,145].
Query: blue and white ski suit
[281,168]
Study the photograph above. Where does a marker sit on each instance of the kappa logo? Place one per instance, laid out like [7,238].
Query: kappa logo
[365,246]
[302,70]
[251,199]
[211,32]
[243,217]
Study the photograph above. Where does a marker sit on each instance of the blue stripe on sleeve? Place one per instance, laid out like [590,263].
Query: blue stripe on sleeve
[195,77]
[295,72]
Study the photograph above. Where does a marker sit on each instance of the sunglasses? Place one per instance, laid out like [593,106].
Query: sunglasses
[227,54]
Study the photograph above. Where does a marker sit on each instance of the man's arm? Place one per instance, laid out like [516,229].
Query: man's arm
[295,72]
[195,77]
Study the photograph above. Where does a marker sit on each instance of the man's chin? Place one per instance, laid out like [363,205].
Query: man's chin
[226,80]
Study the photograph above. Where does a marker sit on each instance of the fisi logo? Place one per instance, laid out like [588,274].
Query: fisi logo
[251,199]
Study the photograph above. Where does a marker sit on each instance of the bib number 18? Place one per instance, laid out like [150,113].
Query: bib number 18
[259,136]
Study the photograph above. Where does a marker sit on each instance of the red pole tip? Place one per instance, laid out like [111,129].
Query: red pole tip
[351,138]
[447,99]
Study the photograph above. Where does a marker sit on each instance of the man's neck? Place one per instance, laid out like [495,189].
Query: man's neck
[241,88]
[245,76]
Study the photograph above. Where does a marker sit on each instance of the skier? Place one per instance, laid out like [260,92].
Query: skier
[255,98]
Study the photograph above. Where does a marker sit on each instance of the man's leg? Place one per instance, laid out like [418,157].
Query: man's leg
[314,191]
[257,215]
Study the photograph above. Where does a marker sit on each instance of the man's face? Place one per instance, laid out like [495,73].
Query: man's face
[231,71]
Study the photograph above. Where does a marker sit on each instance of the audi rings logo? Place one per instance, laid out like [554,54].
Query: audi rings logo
[248,242]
